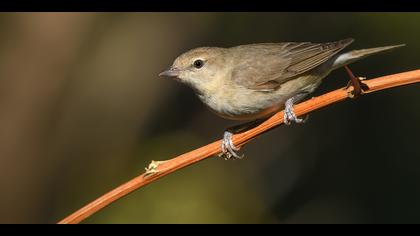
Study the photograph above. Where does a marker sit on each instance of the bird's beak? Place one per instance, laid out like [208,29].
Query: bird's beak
[171,73]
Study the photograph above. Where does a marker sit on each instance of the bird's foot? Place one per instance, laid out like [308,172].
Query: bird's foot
[289,114]
[228,148]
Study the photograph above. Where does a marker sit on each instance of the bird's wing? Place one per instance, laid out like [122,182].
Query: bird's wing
[267,66]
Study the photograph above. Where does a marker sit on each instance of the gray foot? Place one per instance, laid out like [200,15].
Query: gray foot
[289,114]
[228,148]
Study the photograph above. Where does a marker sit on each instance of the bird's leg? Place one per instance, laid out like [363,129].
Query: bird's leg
[229,150]
[289,114]
[358,86]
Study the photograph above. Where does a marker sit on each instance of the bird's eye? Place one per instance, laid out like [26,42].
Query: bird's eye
[198,63]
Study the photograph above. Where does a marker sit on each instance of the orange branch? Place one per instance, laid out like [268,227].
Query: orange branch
[156,170]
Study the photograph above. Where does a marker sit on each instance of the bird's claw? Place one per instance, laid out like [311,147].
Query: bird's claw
[228,148]
[289,114]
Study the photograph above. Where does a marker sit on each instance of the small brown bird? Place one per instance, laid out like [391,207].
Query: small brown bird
[252,82]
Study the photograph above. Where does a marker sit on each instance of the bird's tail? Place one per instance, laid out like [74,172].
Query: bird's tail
[355,55]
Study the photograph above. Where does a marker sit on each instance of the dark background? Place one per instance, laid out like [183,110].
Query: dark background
[82,110]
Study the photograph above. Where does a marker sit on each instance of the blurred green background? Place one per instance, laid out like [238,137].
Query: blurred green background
[83,110]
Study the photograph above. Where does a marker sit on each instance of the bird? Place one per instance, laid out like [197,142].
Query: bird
[251,82]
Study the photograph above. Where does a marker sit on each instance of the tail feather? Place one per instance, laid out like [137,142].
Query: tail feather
[355,55]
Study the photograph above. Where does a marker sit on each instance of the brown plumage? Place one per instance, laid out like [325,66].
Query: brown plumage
[278,62]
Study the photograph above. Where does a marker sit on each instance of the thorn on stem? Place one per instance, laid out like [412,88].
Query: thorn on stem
[356,82]
[152,168]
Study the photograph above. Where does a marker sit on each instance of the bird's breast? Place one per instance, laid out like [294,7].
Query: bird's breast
[241,103]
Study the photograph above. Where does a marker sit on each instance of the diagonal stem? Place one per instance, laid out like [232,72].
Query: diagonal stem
[156,170]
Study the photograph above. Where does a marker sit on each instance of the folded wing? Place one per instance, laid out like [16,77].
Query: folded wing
[266,66]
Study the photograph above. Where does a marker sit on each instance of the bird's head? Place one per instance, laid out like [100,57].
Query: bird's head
[199,68]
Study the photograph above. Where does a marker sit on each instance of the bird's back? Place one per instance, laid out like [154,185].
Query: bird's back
[265,66]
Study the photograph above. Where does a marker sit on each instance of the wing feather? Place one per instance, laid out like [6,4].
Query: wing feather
[267,66]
